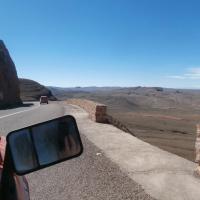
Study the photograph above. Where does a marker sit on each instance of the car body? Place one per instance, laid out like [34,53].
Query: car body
[44,99]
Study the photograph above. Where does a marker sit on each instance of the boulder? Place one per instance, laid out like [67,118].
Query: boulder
[9,83]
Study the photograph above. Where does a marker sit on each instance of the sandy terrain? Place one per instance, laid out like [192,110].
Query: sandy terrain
[171,133]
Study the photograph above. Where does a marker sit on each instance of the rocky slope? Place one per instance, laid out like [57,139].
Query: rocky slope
[32,91]
[9,84]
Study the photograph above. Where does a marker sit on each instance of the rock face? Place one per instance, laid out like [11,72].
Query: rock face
[9,83]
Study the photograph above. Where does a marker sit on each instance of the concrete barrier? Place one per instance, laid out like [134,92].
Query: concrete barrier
[197,145]
[197,150]
[97,112]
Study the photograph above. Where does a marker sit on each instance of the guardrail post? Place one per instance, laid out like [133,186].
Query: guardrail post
[197,150]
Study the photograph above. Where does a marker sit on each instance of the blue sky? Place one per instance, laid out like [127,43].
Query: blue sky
[104,42]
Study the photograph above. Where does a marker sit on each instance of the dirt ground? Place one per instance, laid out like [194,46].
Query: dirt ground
[172,131]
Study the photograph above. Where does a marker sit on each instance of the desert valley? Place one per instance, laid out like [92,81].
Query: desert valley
[163,117]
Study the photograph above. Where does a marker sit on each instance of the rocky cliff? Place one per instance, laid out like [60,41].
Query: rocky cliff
[9,83]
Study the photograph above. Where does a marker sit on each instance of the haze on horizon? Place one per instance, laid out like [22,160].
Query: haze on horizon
[104,43]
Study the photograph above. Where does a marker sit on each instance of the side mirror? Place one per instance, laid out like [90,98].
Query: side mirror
[45,144]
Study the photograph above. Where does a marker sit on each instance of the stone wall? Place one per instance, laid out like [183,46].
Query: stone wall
[97,111]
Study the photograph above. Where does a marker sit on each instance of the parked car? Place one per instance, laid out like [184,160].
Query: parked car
[44,99]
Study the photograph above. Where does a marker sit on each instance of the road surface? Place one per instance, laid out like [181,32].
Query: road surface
[91,176]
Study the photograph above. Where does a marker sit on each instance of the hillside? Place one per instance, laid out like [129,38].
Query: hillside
[31,90]
[163,117]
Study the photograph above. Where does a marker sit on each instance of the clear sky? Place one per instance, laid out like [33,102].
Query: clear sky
[104,42]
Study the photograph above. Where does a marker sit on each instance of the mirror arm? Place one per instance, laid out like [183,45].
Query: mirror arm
[7,184]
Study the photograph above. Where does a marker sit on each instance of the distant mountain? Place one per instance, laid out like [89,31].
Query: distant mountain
[63,93]
[83,89]
[32,91]
[132,98]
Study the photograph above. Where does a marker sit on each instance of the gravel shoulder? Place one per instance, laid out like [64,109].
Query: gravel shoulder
[92,176]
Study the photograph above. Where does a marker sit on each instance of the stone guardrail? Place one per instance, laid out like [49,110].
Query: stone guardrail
[97,111]
[197,151]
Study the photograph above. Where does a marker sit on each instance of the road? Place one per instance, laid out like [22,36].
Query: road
[90,176]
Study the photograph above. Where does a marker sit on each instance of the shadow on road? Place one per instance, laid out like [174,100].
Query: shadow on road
[16,106]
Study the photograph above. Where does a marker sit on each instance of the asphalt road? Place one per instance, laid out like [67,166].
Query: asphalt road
[90,176]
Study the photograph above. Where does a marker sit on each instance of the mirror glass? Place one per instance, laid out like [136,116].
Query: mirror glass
[44,144]
[24,154]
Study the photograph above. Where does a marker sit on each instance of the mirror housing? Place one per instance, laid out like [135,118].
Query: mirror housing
[44,144]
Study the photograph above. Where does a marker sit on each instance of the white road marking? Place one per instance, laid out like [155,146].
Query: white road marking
[19,112]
